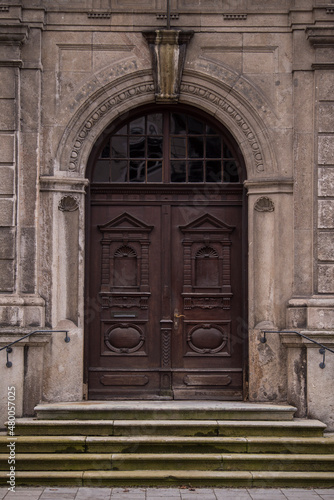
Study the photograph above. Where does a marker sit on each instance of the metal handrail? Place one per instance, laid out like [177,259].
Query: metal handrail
[322,349]
[9,349]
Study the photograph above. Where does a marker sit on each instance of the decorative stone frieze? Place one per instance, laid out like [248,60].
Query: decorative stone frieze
[146,89]
[99,15]
[236,114]
[235,17]
[173,16]
[99,113]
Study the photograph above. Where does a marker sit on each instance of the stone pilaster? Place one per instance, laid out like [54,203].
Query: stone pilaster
[270,283]
[12,37]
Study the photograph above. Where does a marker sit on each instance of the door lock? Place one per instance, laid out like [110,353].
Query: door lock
[177,316]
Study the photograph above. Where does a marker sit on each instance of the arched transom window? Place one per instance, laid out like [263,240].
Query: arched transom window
[167,147]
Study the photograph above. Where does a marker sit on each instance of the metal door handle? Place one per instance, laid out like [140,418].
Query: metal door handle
[176,318]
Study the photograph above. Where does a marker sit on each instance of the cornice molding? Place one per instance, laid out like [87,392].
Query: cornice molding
[13,34]
[269,186]
[320,36]
[63,184]
[324,337]
[323,66]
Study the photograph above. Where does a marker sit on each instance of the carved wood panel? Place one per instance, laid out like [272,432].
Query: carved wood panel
[207,263]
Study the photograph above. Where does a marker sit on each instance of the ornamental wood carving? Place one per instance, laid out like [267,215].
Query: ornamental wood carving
[207,263]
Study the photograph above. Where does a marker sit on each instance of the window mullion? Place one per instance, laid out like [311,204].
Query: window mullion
[166,148]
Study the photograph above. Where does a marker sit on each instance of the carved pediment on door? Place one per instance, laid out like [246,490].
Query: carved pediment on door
[125,255]
[125,223]
[207,224]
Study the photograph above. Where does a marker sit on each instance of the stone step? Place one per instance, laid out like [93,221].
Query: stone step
[59,461]
[253,444]
[231,462]
[164,410]
[296,427]
[171,477]
[168,444]
[179,461]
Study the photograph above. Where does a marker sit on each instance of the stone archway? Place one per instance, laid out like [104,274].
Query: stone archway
[165,241]
[252,131]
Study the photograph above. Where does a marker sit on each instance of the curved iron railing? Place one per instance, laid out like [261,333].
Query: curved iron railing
[9,349]
[322,349]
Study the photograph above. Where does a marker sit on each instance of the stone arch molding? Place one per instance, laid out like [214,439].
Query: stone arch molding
[246,125]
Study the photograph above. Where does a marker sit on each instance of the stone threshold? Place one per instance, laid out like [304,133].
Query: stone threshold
[165,409]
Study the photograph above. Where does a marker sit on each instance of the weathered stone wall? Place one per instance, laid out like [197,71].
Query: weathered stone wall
[265,71]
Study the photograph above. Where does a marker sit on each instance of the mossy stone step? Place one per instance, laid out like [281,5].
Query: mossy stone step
[165,461]
[176,444]
[174,477]
[164,410]
[233,462]
[58,462]
[168,444]
[228,428]
[44,444]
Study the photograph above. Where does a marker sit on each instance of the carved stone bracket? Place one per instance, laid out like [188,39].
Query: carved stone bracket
[168,51]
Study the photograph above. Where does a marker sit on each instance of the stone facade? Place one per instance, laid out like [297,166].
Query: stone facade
[265,71]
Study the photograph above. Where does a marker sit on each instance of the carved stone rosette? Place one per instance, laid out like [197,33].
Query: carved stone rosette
[168,51]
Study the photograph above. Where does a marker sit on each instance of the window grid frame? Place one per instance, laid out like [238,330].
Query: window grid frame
[166,159]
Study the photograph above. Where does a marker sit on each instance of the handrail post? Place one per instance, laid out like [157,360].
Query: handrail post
[9,364]
[323,352]
[9,349]
[322,349]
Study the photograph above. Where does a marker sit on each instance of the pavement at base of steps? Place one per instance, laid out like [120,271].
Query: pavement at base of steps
[180,493]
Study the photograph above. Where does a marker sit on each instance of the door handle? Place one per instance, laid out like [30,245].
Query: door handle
[177,316]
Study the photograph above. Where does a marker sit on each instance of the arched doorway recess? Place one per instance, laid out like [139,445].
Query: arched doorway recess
[165,260]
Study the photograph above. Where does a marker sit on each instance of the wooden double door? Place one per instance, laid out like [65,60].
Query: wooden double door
[166,296]
[165,309]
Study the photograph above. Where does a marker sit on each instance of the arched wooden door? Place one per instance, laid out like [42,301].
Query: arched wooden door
[166,272]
